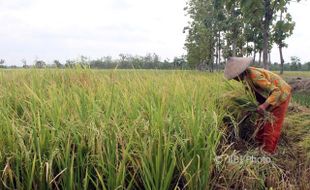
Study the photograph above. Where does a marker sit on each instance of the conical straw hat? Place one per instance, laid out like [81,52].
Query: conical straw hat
[235,66]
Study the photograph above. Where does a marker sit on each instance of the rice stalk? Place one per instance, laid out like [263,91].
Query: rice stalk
[242,118]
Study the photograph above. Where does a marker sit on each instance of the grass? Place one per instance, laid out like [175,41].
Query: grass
[302,98]
[85,129]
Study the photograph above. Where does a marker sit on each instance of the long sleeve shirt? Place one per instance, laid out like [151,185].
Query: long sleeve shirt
[268,84]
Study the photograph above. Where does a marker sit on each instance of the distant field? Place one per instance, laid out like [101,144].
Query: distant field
[303,97]
[125,129]
[296,74]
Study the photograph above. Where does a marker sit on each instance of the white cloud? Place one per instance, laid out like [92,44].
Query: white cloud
[50,29]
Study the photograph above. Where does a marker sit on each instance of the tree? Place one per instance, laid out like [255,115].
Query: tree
[203,41]
[179,61]
[261,12]
[270,7]
[83,61]
[39,64]
[24,62]
[123,60]
[57,64]
[245,26]
[282,30]
[137,62]
[234,27]
[2,61]
[69,63]
[295,63]
[307,66]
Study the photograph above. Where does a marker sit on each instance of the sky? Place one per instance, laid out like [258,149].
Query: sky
[66,29]
[299,42]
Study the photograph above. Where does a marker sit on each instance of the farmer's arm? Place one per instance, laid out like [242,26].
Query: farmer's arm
[274,92]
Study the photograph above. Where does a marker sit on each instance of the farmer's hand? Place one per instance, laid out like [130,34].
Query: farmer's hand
[262,108]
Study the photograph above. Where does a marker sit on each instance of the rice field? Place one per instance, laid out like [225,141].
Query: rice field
[86,129]
[117,129]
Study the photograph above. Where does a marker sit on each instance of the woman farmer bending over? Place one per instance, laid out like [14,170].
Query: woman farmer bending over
[271,91]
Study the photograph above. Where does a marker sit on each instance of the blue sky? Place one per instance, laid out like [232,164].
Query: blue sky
[66,29]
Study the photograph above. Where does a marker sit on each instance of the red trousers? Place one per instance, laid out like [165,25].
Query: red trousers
[269,134]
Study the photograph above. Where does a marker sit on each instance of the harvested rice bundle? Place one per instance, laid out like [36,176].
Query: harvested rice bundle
[242,120]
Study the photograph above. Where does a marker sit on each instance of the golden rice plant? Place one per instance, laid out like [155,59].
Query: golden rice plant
[113,129]
[243,119]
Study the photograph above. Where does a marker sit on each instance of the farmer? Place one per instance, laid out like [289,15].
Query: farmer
[271,91]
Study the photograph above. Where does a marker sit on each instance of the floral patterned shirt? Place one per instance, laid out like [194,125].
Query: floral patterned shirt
[268,84]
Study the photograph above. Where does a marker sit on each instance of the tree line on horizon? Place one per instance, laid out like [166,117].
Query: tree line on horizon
[150,61]
[219,29]
[124,61]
